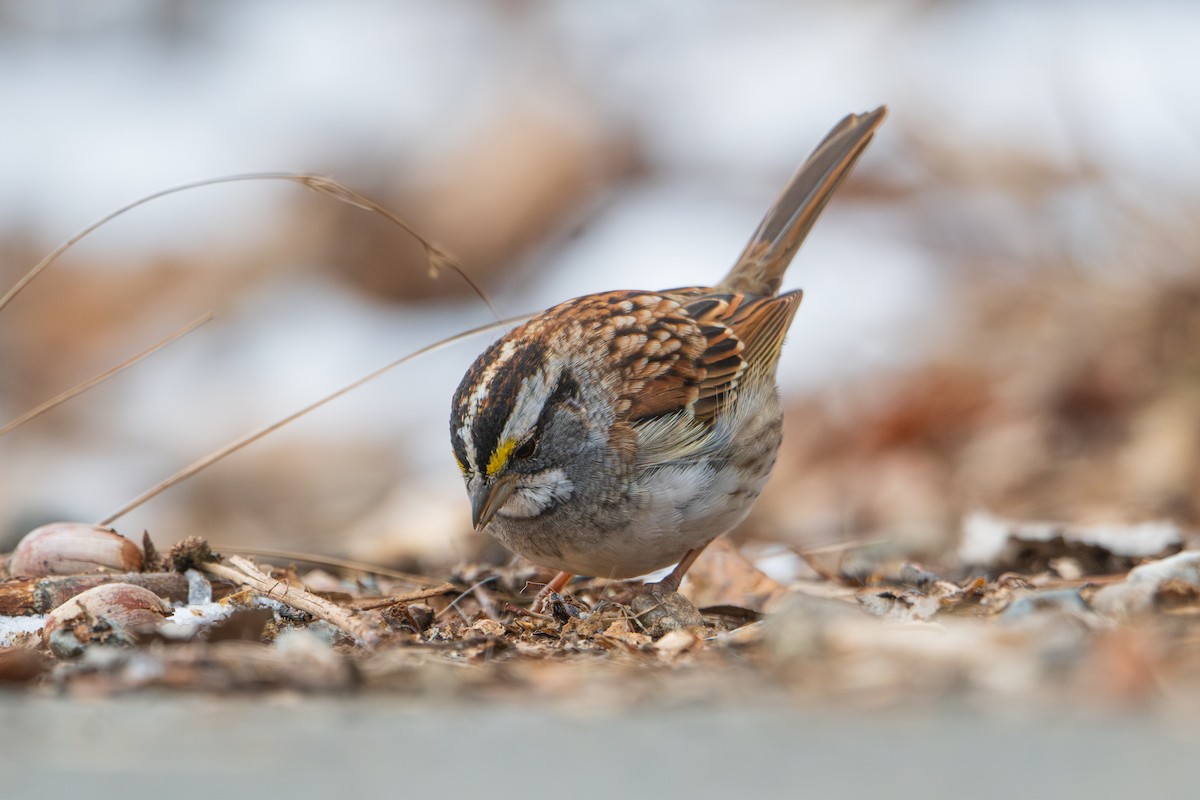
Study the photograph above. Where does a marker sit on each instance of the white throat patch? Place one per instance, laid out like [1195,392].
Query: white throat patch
[536,493]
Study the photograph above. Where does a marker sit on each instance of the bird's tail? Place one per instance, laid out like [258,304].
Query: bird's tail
[759,270]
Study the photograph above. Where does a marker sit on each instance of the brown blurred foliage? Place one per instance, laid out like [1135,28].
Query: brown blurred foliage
[1061,398]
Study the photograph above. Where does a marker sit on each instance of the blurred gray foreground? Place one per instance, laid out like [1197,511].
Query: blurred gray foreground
[175,747]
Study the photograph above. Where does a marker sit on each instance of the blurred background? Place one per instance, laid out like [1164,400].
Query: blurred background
[1002,305]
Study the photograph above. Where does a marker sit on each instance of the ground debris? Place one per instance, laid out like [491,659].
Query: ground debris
[22,665]
[68,548]
[921,595]
[905,632]
[298,660]
[190,553]
[24,596]
[1071,551]
[1171,583]
[114,613]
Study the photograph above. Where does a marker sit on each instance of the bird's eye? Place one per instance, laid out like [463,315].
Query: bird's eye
[526,449]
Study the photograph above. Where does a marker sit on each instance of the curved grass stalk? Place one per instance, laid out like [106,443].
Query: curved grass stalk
[438,258]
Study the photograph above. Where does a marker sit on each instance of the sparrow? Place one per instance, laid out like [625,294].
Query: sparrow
[619,433]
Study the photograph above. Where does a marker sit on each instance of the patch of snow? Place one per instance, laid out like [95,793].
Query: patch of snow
[186,620]
[985,535]
[11,627]
[199,589]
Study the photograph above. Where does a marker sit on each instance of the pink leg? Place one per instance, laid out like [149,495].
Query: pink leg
[672,581]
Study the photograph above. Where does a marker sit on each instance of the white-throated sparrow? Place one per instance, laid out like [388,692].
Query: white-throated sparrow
[619,433]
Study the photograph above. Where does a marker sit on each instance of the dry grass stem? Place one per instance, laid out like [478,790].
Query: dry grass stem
[254,436]
[438,258]
[103,376]
[454,603]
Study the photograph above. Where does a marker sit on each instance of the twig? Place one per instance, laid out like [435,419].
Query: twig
[407,597]
[525,612]
[242,572]
[332,561]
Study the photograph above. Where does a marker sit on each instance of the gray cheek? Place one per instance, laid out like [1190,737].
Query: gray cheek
[567,444]
[577,429]
[586,457]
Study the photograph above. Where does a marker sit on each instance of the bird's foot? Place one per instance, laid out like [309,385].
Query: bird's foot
[661,609]
[555,586]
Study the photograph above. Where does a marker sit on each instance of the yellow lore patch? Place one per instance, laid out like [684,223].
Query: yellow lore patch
[500,457]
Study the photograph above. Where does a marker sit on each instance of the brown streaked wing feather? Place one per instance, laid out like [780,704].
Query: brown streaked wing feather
[762,323]
[716,340]
[758,324]
[723,359]
[662,368]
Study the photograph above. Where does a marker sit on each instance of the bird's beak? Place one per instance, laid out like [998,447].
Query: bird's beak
[489,497]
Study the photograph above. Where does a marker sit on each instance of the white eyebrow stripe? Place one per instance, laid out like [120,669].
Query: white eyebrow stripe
[482,387]
[464,435]
[503,356]
[531,399]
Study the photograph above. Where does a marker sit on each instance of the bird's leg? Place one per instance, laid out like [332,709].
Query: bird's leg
[668,584]
[661,608]
[556,584]
[671,582]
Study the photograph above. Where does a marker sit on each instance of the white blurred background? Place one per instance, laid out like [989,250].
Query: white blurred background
[556,149]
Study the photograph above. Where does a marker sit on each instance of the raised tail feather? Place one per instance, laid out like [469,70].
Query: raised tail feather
[759,270]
